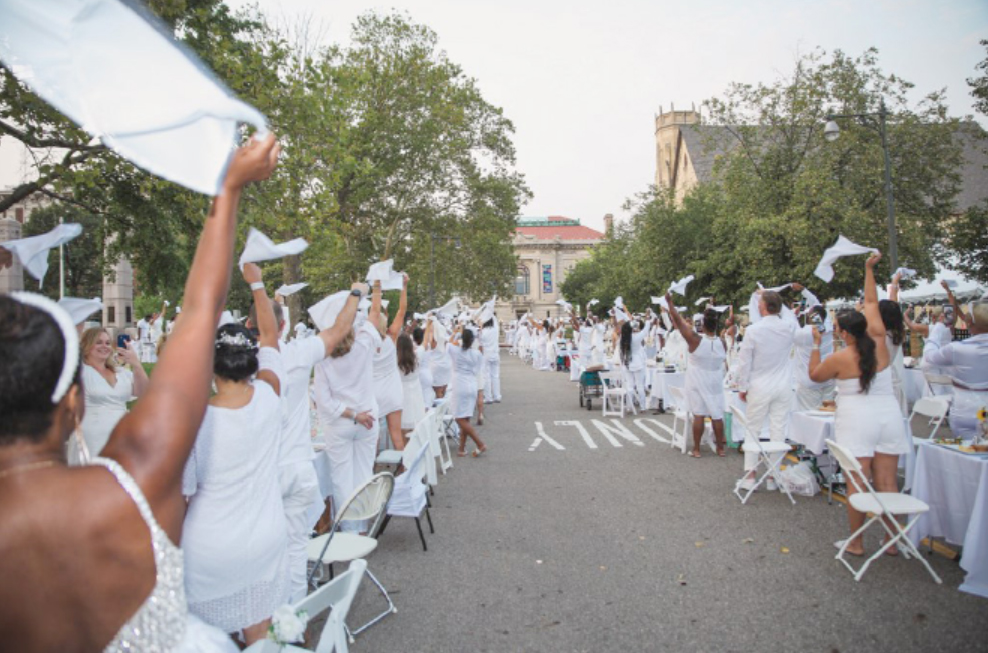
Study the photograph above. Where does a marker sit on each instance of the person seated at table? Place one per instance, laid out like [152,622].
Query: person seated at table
[704,386]
[966,363]
[868,421]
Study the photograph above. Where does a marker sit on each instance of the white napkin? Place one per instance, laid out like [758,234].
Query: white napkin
[394,282]
[419,316]
[661,301]
[126,82]
[621,315]
[904,273]
[951,283]
[811,299]
[565,304]
[32,251]
[80,309]
[450,308]
[261,248]
[702,300]
[286,290]
[226,317]
[593,302]
[325,312]
[381,271]
[680,286]
[843,247]
[721,309]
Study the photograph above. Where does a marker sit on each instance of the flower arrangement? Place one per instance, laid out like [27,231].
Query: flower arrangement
[287,626]
[983,421]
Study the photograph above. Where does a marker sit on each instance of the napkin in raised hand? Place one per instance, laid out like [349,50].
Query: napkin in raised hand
[843,247]
[261,248]
[287,290]
[32,251]
[80,309]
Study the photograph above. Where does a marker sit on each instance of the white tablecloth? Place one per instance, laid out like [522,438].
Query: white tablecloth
[737,430]
[321,463]
[955,485]
[914,383]
[811,431]
[662,381]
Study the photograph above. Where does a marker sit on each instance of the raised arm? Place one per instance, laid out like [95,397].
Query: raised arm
[267,325]
[876,327]
[154,440]
[686,330]
[374,316]
[921,329]
[958,311]
[894,287]
[331,336]
[395,329]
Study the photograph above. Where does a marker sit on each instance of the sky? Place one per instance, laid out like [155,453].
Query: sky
[582,81]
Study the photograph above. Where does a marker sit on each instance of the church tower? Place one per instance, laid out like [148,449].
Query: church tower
[667,124]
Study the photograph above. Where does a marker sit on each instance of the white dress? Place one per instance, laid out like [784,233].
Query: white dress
[424,368]
[105,406]
[704,383]
[413,408]
[466,365]
[387,378]
[898,367]
[235,536]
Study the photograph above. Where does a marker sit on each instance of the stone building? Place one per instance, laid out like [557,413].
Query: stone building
[547,249]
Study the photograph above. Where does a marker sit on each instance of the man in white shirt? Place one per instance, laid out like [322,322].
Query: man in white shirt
[144,338]
[765,377]
[296,473]
[489,337]
[810,394]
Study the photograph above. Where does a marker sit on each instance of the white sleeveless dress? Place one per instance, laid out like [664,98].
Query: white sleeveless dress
[870,422]
[235,536]
[704,383]
[163,622]
[413,408]
[106,405]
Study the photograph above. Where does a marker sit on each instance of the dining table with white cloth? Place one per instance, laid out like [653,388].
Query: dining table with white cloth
[915,386]
[955,486]
[811,429]
[737,430]
[661,382]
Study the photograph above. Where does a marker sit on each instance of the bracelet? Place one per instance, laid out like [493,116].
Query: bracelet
[257,285]
[816,348]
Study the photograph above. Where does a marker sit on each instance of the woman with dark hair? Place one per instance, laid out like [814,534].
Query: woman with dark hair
[868,422]
[632,348]
[236,535]
[467,362]
[108,388]
[387,379]
[120,585]
[422,362]
[704,384]
[413,406]
[895,335]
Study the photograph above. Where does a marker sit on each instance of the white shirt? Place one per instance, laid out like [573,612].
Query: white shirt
[348,381]
[143,330]
[803,347]
[965,361]
[298,357]
[764,358]
[636,360]
[488,340]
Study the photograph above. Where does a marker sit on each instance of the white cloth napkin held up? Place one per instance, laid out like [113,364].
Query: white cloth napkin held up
[261,248]
[904,273]
[287,290]
[381,271]
[91,60]
[325,312]
[394,282]
[702,300]
[680,286]
[450,308]
[32,251]
[843,247]
[80,309]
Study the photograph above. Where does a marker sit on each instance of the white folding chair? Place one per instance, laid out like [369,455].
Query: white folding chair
[440,413]
[939,384]
[934,408]
[679,415]
[879,504]
[764,451]
[612,394]
[366,504]
[409,498]
[336,597]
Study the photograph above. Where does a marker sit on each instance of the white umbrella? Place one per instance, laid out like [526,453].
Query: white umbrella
[127,82]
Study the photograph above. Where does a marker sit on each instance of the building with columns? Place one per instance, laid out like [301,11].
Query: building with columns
[547,249]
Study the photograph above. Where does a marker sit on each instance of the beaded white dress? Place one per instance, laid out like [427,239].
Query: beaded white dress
[235,536]
[162,623]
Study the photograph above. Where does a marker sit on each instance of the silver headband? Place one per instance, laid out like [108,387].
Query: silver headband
[69,335]
[238,340]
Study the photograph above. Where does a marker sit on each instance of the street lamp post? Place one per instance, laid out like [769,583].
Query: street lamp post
[831,132]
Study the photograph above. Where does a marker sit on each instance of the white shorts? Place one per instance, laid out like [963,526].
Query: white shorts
[867,425]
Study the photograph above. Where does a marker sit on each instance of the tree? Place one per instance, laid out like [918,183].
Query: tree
[84,261]
[979,85]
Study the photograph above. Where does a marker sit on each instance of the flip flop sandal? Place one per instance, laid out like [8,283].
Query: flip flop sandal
[478,452]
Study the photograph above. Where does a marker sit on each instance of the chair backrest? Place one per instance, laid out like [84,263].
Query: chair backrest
[930,407]
[738,418]
[851,467]
[938,379]
[416,467]
[678,397]
[367,502]
[337,594]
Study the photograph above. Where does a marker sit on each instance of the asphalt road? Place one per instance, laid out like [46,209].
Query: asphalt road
[637,548]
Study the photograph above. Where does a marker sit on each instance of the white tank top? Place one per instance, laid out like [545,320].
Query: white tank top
[709,355]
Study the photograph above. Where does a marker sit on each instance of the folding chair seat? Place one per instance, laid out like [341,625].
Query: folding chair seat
[409,498]
[936,409]
[764,449]
[367,504]
[335,597]
[879,504]
[613,394]
[440,412]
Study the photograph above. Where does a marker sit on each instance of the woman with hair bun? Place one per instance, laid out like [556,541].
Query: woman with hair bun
[868,421]
[467,362]
[236,535]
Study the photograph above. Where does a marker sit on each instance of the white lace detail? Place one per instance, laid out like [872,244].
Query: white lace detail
[159,624]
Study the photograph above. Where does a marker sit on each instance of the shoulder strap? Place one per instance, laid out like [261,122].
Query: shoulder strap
[130,486]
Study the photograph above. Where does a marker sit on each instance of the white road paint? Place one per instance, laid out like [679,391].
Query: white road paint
[640,423]
[617,429]
[584,433]
[544,436]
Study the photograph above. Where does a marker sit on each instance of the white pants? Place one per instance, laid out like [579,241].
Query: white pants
[351,449]
[773,403]
[634,385]
[299,490]
[492,385]
[813,398]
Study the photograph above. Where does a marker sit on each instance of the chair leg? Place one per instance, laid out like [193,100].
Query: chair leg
[391,606]
[428,516]
[418,525]
[384,524]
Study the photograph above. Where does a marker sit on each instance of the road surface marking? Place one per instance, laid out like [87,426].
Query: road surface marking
[582,430]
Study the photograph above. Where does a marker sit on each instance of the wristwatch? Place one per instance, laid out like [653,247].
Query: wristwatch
[356,293]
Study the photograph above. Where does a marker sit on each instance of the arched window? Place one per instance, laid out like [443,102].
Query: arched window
[522,282]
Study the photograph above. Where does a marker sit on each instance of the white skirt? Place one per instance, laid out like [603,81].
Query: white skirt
[388,392]
[464,397]
[413,408]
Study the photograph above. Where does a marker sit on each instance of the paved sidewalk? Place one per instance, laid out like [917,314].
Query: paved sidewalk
[635,547]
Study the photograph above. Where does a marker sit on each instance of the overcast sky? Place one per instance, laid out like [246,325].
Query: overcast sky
[582,81]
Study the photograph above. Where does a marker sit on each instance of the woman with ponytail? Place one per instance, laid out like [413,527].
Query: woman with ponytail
[869,423]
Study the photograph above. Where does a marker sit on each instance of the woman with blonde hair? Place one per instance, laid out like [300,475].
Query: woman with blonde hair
[108,387]
[387,379]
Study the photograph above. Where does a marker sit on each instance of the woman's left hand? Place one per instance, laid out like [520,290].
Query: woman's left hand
[817,337]
[128,355]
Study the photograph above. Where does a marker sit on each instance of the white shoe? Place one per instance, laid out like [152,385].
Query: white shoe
[747,483]
[771,485]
